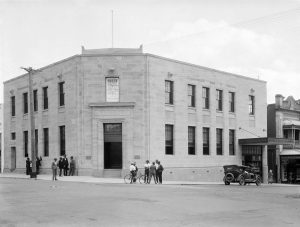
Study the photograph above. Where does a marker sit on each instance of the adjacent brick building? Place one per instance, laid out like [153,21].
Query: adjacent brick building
[109,107]
[284,122]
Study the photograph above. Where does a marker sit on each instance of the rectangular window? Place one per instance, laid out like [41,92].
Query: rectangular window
[169,92]
[13,136]
[13,106]
[169,139]
[231,102]
[191,95]
[46,142]
[191,138]
[231,142]
[61,93]
[219,100]
[205,141]
[62,139]
[35,100]
[36,140]
[205,97]
[112,89]
[25,103]
[25,143]
[251,104]
[45,98]
[219,134]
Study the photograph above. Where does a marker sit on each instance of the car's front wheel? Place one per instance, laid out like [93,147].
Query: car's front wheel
[258,181]
[242,181]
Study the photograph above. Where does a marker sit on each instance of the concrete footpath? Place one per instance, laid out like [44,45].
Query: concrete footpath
[99,180]
[91,179]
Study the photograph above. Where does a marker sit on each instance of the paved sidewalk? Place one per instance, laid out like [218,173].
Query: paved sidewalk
[91,179]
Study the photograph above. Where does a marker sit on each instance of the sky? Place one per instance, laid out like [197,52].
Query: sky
[257,38]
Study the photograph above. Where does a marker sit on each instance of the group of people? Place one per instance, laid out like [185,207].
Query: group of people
[64,166]
[153,170]
[38,163]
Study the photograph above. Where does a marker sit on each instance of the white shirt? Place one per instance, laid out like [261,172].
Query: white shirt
[147,166]
[132,168]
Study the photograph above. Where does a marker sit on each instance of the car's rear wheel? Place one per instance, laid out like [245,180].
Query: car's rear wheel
[225,181]
[258,181]
[229,177]
[242,181]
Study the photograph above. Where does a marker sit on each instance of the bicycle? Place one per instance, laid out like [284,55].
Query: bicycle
[139,177]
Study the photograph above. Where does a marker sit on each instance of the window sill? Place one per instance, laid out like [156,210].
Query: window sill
[169,107]
[13,118]
[61,109]
[232,114]
[206,110]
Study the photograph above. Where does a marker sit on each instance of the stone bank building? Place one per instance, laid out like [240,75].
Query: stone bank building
[109,107]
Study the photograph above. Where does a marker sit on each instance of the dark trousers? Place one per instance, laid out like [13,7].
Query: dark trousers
[154,177]
[27,170]
[133,176]
[159,177]
[54,173]
[146,179]
[71,172]
[66,172]
[60,171]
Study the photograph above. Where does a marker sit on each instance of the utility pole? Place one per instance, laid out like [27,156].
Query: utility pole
[30,71]
[112,29]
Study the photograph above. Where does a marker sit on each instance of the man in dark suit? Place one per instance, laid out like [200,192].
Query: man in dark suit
[60,165]
[66,165]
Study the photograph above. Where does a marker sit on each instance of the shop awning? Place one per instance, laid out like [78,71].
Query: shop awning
[290,152]
[266,141]
[291,122]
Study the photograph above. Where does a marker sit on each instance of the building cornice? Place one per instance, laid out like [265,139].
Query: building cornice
[112,104]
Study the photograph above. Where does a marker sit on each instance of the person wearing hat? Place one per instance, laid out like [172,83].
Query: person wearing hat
[132,170]
[54,169]
[147,169]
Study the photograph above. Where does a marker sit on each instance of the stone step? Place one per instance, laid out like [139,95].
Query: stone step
[112,173]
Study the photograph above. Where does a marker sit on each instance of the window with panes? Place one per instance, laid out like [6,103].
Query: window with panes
[191,95]
[219,137]
[205,132]
[61,92]
[205,97]
[191,140]
[219,98]
[36,140]
[13,105]
[35,100]
[25,103]
[25,143]
[45,98]
[169,139]
[251,104]
[46,142]
[231,142]
[169,92]
[62,139]
[231,102]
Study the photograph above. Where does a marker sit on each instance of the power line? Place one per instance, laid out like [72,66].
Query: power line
[245,22]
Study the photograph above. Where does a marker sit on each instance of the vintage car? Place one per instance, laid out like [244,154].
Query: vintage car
[241,174]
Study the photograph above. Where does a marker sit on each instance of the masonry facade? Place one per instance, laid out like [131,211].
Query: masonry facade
[284,122]
[109,107]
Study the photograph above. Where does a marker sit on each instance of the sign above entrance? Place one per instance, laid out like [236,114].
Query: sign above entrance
[112,89]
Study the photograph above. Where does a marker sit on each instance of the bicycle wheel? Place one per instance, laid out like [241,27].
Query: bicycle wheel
[127,179]
[142,179]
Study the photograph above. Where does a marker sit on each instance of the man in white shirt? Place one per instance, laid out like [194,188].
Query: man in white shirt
[147,168]
[132,170]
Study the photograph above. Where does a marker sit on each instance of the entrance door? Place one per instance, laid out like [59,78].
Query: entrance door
[112,146]
[13,159]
